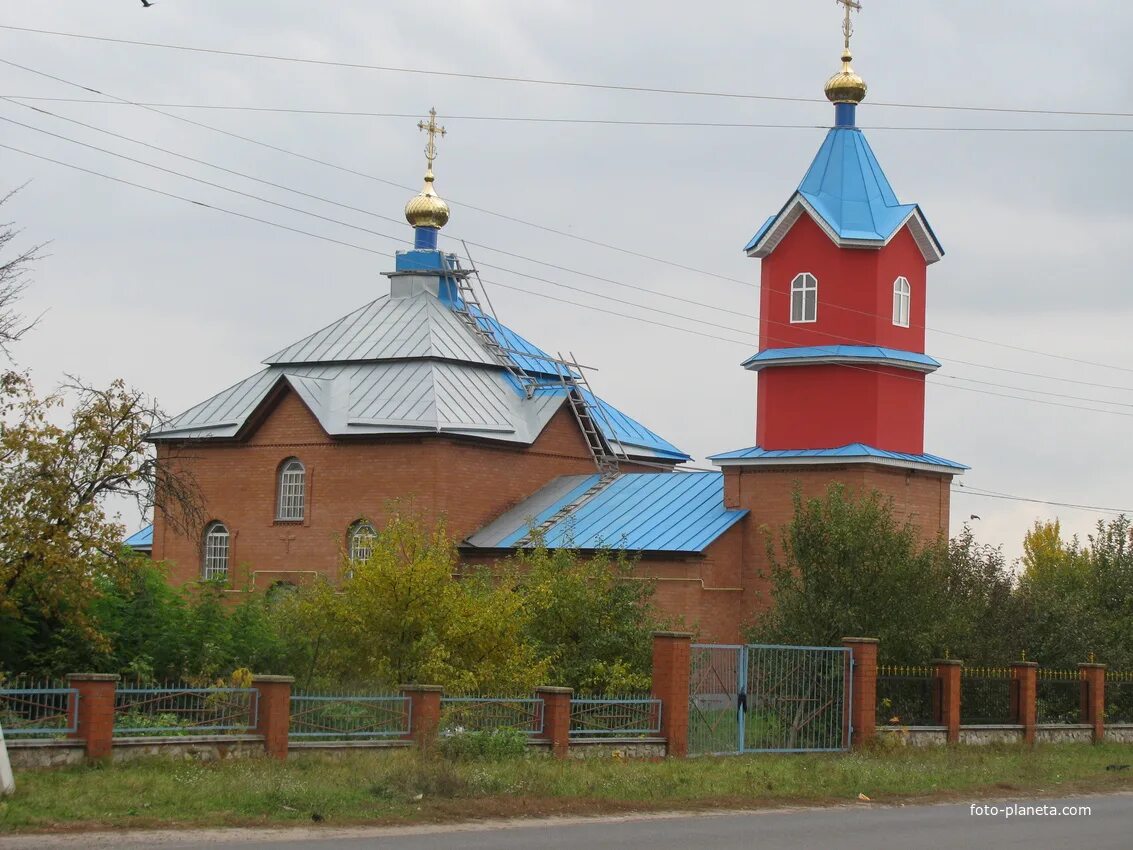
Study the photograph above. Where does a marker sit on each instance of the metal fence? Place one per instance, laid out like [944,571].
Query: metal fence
[179,710]
[1058,696]
[985,696]
[46,710]
[906,695]
[1118,696]
[487,714]
[623,716]
[349,717]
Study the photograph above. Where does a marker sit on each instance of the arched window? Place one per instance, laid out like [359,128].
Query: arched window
[804,298]
[215,562]
[902,302]
[291,490]
[361,540]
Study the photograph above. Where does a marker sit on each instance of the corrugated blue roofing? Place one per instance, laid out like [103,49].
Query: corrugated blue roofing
[140,539]
[854,450]
[872,353]
[847,188]
[638,512]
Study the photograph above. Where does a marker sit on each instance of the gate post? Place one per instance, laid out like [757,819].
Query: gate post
[671,673]
[1024,685]
[946,696]
[863,685]
[1093,699]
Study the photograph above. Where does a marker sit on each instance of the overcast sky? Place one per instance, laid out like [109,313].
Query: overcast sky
[182,301]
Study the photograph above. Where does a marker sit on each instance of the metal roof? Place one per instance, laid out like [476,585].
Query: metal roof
[846,190]
[410,364]
[859,452]
[873,354]
[638,512]
[140,539]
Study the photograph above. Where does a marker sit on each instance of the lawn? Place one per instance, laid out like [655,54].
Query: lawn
[404,787]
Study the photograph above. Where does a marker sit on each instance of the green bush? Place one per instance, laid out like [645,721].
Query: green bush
[487,745]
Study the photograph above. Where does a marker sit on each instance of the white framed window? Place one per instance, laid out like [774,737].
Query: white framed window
[804,298]
[214,564]
[361,539]
[902,302]
[292,480]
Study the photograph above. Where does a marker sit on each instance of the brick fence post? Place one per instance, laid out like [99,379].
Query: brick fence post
[273,712]
[96,711]
[672,661]
[1024,687]
[863,677]
[424,713]
[1093,698]
[556,719]
[946,696]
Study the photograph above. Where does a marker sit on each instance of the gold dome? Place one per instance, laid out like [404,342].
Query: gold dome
[427,209]
[846,86]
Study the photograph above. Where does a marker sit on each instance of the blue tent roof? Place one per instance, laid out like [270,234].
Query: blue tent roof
[854,450]
[140,539]
[847,188]
[871,353]
[638,512]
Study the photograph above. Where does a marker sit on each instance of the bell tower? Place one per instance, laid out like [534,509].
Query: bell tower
[842,362]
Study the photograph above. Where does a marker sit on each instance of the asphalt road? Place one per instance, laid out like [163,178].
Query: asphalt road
[862,827]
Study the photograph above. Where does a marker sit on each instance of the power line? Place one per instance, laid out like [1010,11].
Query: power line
[514,219]
[503,285]
[987,494]
[546,82]
[531,119]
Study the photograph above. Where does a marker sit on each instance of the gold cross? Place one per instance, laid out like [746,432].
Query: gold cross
[847,24]
[432,128]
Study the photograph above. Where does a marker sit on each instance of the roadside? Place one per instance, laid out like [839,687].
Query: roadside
[402,788]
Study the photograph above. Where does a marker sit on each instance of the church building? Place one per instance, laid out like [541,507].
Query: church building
[423,395]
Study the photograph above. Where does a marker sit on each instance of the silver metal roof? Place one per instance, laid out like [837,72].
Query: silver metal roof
[389,328]
[402,364]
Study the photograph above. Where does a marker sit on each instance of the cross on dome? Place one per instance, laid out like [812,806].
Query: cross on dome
[427,212]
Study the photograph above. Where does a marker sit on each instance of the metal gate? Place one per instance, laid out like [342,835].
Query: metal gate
[769,699]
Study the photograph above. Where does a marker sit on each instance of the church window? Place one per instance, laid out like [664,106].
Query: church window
[362,536]
[902,302]
[215,565]
[292,477]
[804,299]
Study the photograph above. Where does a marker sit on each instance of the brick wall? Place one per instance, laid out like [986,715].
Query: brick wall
[467,481]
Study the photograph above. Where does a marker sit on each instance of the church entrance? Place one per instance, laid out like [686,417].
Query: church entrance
[769,699]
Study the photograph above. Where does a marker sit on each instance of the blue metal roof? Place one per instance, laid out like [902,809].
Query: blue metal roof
[846,186]
[140,539]
[871,353]
[854,450]
[638,512]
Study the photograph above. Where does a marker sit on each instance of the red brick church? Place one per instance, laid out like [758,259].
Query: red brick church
[422,394]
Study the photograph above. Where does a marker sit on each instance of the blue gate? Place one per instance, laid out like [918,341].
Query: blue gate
[769,699]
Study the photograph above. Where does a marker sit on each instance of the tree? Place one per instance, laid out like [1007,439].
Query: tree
[592,618]
[402,617]
[57,545]
[845,566]
[13,281]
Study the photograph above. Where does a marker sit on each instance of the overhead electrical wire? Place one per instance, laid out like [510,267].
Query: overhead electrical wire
[499,283]
[545,82]
[532,119]
[966,490]
[680,316]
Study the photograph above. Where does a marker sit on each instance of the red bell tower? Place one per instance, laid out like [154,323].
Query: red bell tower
[842,362]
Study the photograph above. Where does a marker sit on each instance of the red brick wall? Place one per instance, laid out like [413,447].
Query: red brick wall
[921,497]
[469,482]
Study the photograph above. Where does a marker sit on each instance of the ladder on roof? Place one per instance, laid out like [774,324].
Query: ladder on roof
[469,310]
[607,450]
[537,532]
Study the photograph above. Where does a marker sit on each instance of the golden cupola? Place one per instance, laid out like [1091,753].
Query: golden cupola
[427,209]
[846,86]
